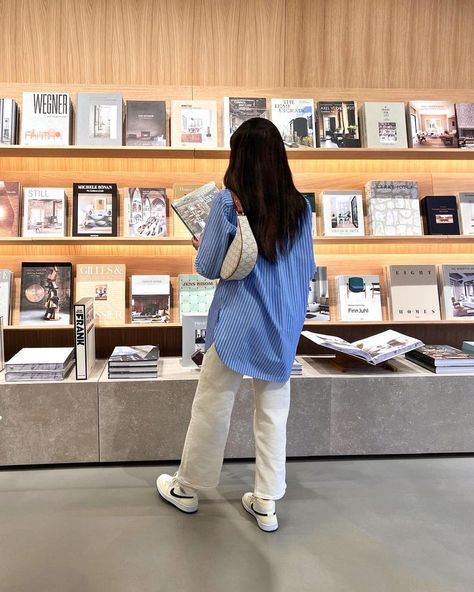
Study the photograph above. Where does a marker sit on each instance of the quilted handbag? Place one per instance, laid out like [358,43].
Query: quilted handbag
[242,253]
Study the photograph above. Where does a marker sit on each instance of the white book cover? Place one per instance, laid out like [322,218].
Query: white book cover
[6,287]
[384,125]
[44,211]
[99,119]
[8,121]
[294,119]
[466,210]
[342,213]
[46,119]
[397,216]
[194,336]
[358,298]
[195,293]
[239,109]
[145,211]
[150,298]
[84,337]
[194,123]
[432,124]
[40,358]
[317,308]
[457,292]
[413,292]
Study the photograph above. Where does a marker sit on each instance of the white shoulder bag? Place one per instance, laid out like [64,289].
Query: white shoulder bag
[242,253]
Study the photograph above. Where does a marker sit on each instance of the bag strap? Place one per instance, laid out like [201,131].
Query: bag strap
[237,204]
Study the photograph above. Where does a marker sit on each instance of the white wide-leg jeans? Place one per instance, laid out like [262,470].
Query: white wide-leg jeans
[203,452]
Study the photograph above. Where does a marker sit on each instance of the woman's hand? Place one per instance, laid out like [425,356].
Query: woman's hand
[195,243]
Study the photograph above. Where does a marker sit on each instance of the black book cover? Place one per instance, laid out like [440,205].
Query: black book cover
[440,214]
[441,355]
[146,123]
[95,209]
[338,125]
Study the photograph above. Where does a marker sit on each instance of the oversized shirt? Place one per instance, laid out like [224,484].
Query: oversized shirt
[255,323]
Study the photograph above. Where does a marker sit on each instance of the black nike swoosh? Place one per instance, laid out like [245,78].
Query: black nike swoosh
[172,492]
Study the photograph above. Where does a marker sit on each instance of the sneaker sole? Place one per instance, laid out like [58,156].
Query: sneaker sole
[174,502]
[264,527]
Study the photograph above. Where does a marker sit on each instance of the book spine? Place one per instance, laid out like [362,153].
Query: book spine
[80,341]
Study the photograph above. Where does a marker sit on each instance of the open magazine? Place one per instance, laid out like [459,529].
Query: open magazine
[374,349]
[193,208]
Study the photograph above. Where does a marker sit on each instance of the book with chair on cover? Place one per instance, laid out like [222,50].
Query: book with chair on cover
[358,298]
[375,349]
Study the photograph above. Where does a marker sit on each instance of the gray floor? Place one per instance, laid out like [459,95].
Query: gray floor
[387,525]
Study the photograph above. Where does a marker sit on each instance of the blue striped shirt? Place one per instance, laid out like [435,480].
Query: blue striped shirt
[255,323]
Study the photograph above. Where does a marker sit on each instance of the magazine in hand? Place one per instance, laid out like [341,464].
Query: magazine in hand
[374,349]
[194,208]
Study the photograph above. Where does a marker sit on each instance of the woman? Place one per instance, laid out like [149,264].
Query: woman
[253,324]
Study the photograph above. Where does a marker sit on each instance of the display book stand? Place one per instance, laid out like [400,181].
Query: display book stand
[442,171]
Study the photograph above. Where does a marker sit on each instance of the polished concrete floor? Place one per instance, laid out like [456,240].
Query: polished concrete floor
[381,525]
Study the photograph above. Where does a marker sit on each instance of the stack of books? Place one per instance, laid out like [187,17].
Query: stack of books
[40,363]
[134,362]
[297,368]
[442,359]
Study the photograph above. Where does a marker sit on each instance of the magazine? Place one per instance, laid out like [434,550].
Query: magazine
[194,208]
[374,349]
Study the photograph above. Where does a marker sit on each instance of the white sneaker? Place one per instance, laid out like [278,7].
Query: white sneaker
[185,499]
[262,510]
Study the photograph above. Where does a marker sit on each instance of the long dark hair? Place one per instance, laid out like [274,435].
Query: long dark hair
[259,174]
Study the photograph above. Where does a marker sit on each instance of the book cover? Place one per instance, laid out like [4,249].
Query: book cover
[195,293]
[457,292]
[466,212]
[194,336]
[99,119]
[8,121]
[468,346]
[440,214]
[358,298]
[317,308]
[374,349]
[465,124]
[239,109]
[41,359]
[384,125]
[145,212]
[432,124]
[443,369]
[52,376]
[338,124]
[146,123]
[46,119]
[105,283]
[413,292]
[2,345]
[84,337]
[45,296]
[393,208]
[194,123]
[136,355]
[342,213]
[150,298]
[95,210]
[194,208]
[441,355]
[10,193]
[311,197]
[6,293]
[44,211]
[294,119]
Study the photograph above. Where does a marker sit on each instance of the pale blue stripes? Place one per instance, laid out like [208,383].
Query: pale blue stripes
[255,323]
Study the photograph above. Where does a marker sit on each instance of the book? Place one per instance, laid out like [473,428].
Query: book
[45,295]
[6,293]
[465,124]
[383,125]
[294,119]
[146,123]
[441,355]
[297,368]
[311,197]
[194,336]
[194,208]
[124,356]
[466,212]
[44,211]
[468,346]
[413,292]
[342,213]
[2,345]
[46,119]
[375,349]
[99,119]
[239,109]
[432,124]
[145,211]
[105,283]
[317,308]
[52,376]
[8,121]
[358,298]
[84,337]
[150,298]
[95,210]
[457,291]
[440,214]
[41,359]
[129,376]
[444,369]
[10,193]
[194,123]
[195,293]
[393,208]
[338,124]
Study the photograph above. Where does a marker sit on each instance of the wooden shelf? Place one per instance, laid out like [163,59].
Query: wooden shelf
[95,240]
